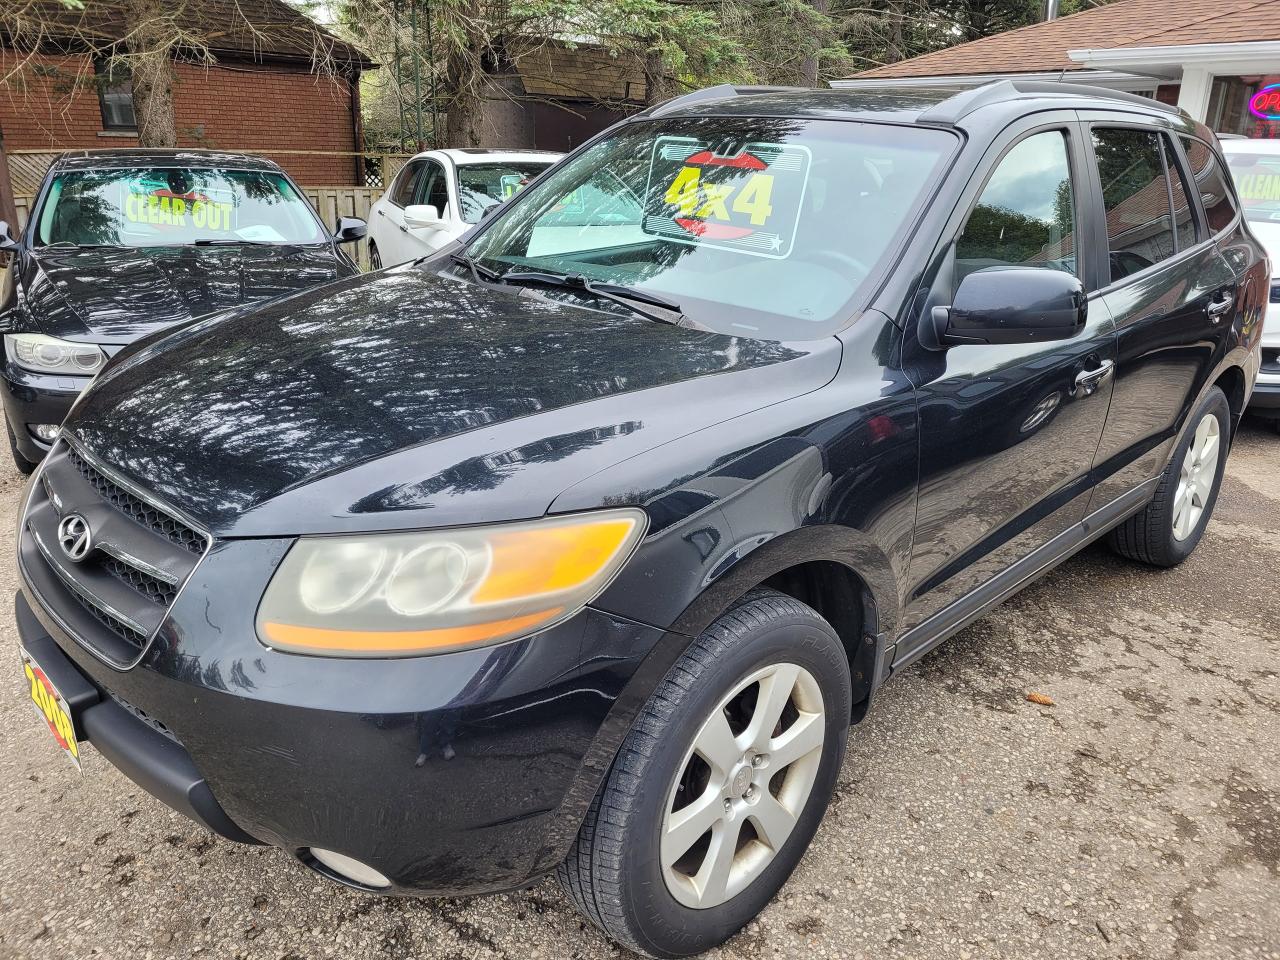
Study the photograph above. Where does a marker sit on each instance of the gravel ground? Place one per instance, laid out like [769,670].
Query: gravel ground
[1139,816]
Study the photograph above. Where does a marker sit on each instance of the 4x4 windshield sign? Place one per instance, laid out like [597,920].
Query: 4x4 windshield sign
[745,199]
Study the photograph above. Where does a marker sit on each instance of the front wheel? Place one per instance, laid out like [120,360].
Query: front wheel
[720,785]
[375,258]
[1171,525]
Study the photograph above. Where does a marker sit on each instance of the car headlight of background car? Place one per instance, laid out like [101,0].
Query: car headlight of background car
[44,354]
[405,594]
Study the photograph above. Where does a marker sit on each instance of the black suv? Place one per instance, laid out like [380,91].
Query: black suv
[123,243]
[578,547]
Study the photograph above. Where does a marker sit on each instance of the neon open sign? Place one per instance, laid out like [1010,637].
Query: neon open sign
[1265,104]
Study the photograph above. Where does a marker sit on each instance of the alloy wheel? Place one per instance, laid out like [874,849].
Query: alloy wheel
[743,785]
[1195,482]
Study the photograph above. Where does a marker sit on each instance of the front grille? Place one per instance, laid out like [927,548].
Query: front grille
[134,506]
[114,599]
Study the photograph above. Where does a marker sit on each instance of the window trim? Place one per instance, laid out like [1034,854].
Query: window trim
[1176,165]
[1100,214]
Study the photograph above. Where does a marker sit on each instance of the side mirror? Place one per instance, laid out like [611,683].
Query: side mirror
[1009,305]
[422,216]
[7,243]
[350,229]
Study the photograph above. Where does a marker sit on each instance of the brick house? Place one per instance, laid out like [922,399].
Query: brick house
[1214,58]
[261,95]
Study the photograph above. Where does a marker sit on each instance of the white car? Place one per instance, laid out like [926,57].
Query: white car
[1255,166]
[441,194]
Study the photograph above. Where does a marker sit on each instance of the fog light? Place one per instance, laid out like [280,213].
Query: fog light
[353,870]
[48,432]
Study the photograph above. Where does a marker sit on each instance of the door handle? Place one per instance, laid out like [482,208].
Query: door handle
[1218,308]
[1088,381]
[382,213]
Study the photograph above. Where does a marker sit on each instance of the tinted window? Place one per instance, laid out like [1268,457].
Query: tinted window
[435,189]
[1211,184]
[1025,215]
[1184,220]
[1135,195]
[402,191]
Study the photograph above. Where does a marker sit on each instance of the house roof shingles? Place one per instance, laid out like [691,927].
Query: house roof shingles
[557,70]
[256,29]
[1126,23]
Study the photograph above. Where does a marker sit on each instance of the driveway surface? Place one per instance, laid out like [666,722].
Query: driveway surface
[1138,816]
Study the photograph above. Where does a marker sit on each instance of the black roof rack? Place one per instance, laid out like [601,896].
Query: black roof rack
[999,91]
[722,91]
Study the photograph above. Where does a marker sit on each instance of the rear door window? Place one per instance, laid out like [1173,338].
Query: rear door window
[1135,196]
[1026,213]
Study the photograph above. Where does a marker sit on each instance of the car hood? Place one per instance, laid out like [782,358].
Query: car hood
[114,295]
[404,399]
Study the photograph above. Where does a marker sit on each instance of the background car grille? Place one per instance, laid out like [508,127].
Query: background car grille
[113,600]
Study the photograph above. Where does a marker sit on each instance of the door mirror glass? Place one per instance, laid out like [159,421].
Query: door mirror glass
[7,242]
[423,216]
[1012,305]
[350,229]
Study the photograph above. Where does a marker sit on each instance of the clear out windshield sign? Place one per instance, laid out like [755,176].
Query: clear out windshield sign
[154,203]
[746,198]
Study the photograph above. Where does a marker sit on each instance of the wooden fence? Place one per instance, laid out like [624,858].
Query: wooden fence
[28,167]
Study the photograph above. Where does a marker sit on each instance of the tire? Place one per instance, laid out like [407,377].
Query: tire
[1152,536]
[616,872]
[25,466]
[375,258]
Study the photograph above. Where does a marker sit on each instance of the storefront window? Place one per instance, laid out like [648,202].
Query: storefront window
[1246,106]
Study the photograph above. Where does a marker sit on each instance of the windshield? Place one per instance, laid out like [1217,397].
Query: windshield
[1257,177]
[756,226]
[481,185]
[174,206]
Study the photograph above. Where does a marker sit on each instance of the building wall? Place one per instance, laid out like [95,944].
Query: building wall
[254,107]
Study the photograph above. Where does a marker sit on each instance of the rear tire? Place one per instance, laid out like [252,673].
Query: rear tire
[375,258]
[706,749]
[1169,528]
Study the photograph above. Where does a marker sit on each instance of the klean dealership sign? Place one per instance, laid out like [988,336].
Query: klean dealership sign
[1265,104]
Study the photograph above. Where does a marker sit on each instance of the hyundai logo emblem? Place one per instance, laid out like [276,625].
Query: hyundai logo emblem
[74,537]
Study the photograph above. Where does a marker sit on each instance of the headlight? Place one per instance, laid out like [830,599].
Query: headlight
[404,594]
[43,354]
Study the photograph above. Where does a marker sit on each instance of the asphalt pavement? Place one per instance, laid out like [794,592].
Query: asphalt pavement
[1138,816]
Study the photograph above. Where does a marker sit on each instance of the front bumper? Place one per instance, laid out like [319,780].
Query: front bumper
[31,398]
[458,773]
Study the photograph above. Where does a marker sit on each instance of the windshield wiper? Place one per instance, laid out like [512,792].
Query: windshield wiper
[232,242]
[628,297]
[477,271]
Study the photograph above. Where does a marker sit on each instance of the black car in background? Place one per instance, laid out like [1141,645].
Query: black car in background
[123,243]
[579,546]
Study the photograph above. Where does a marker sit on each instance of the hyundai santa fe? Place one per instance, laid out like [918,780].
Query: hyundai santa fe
[577,547]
